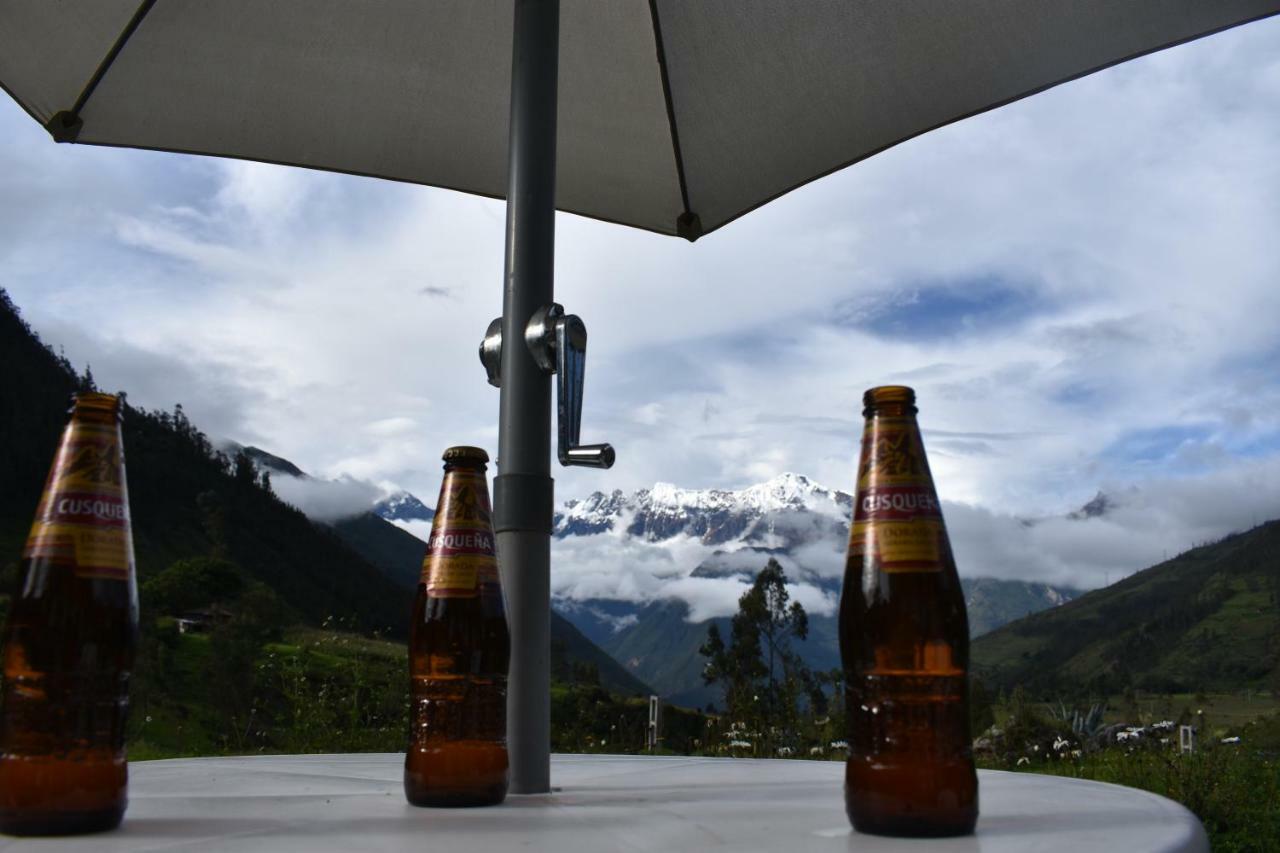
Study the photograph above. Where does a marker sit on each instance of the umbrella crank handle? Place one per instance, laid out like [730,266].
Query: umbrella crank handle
[558,343]
[571,368]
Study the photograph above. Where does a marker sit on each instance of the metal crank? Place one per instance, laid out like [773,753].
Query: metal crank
[558,342]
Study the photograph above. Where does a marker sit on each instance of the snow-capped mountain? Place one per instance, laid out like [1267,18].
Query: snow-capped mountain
[712,516]
[403,506]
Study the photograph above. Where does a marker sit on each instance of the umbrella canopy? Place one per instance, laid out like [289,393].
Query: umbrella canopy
[675,117]
[667,115]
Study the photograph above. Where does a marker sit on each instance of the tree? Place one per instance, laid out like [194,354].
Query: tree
[243,470]
[87,383]
[235,646]
[193,583]
[762,676]
[982,714]
[213,518]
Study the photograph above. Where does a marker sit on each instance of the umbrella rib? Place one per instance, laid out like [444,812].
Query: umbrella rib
[65,125]
[688,225]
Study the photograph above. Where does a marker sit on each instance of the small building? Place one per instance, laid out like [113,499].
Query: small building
[200,621]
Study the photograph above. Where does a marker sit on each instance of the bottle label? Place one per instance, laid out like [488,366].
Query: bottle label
[82,521]
[897,519]
[461,559]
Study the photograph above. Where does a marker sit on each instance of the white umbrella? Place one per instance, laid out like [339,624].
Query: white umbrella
[669,115]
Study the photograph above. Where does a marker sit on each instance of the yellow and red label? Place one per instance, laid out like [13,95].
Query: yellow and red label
[461,559]
[82,521]
[897,519]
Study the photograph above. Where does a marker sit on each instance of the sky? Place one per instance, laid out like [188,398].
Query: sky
[1083,288]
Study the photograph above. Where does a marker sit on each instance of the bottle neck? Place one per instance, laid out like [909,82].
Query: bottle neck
[893,449]
[464,497]
[890,410]
[96,417]
[96,408]
[474,467]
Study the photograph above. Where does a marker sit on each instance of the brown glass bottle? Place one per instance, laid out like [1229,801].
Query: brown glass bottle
[69,640]
[458,650]
[904,641]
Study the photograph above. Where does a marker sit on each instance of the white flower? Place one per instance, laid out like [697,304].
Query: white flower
[1061,744]
[1023,760]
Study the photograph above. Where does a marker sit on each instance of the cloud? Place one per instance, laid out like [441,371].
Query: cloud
[823,556]
[614,565]
[217,396]
[327,500]
[420,529]
[1149,521]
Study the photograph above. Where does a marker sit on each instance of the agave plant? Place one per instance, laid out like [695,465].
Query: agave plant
[1084,724]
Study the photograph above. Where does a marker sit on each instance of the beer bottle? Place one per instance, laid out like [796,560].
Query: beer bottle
[904,641]
[458,650]
[69,640]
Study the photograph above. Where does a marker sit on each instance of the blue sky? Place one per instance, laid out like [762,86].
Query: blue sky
[1083,287]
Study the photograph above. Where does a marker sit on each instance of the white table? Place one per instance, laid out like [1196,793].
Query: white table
[318,803]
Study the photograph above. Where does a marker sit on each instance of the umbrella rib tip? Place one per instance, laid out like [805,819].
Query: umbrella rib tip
[64,126]
[689,226]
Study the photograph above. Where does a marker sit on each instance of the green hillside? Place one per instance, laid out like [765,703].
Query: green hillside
[1207,620]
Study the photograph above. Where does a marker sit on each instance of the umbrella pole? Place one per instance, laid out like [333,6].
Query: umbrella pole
[523,489]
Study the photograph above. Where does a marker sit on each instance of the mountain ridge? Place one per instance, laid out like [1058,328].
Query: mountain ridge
[1205,620]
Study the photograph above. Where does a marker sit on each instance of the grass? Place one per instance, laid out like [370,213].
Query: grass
[1226,711]
[311,691]
[1234,790]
